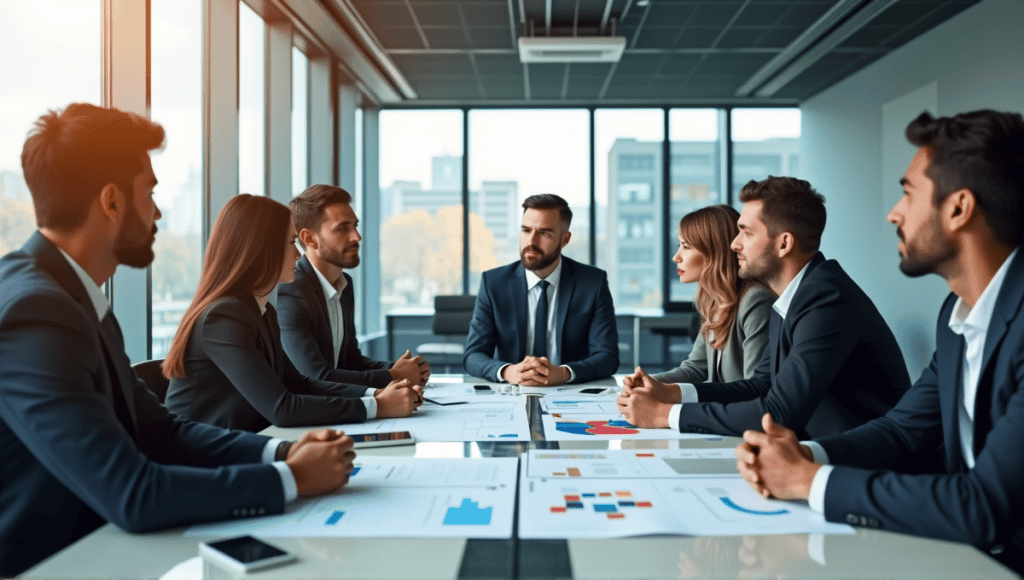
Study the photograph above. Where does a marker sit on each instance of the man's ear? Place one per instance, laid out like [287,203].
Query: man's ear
[958,208]
[308,241]
[565,238]
[112,202]
[785,244]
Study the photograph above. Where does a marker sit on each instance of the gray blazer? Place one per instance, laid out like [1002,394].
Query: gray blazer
[742,352]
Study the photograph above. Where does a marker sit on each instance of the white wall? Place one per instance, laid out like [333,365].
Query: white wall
[853,152]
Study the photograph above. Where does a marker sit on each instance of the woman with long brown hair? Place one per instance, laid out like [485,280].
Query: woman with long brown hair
[734,313]
[226,364]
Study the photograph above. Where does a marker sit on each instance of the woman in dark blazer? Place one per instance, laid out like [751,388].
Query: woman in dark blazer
[734,312]
[226,364]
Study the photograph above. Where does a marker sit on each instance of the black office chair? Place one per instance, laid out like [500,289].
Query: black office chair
[151,372]
[452,315]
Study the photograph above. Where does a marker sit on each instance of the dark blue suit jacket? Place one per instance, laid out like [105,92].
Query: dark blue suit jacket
[84,442]
[983,506]
[585,331]
[306,332]
[831,365]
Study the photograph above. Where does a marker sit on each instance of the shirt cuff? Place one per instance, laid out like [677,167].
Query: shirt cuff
[688,392]
[816,548]
[572,375]
[673,416]
[291,489]
[816,498]
[369,392]
[269,450]
[501,370]
[820,455]
[371,407]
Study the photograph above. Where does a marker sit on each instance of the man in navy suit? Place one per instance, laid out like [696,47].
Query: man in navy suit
[546,319]
[82,440]
[961,217]
[317,310]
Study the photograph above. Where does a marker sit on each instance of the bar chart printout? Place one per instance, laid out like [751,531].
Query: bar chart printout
[613,494]
[398,497]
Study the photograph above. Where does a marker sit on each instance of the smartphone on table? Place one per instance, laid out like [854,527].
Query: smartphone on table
[593,390]
[244,554]
[383,439]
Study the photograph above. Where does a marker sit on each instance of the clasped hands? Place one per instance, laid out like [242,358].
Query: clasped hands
[535,372]
[775,463]
[646,401]
[321,461]
[411,368]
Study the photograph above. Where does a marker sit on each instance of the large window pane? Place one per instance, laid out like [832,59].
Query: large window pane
[38,72]
[177,68]
[628,190]
[515,154]
[251,101]
[695,177]
[300,121]
[421,207]
[765,142]
[357,207]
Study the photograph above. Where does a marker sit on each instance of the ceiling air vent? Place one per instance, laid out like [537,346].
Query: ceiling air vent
[571,48]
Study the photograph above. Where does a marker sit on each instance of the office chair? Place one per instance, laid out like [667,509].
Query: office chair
[149,371]
[452,315]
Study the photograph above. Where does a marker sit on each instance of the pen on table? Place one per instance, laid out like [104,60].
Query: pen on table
[436,403]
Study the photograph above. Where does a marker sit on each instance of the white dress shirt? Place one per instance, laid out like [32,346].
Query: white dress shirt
[102,307]
[532,298]
[781,305]
[333,295]
[972,324]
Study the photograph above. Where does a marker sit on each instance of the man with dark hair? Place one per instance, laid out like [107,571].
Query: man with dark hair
[961,217]
[831,363]
[546,319]
[83,441]
[317,310]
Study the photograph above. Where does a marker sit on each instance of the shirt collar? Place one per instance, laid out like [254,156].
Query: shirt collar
[786,298]
[99,300]
[964,317]
[329,289]
[553,278]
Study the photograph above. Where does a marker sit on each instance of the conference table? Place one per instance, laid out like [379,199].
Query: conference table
[110,552]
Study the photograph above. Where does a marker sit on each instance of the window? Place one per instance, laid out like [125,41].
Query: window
[696,178]
[38,72]
[300,121]
[628,145]
[421,206]
[252,144]
[514,154]
[765,142]
[177,104]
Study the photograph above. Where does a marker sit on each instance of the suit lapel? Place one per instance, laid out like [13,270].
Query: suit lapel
[313,281]
[521,309]
[566,287]
[51,260]
[273,336]
[774,332]
[951,392]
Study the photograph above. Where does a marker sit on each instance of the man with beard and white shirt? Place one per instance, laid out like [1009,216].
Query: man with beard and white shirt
[546,319]
[317,310]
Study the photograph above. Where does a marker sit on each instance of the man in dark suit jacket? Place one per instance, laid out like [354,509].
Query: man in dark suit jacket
[317,310]
[83,441]
[831,363]
[547,319]
[961,216]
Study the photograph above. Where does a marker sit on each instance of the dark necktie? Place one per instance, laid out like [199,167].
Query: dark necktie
[540,322]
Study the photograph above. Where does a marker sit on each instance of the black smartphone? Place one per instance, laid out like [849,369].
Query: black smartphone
[244,554]
[593,390]
[482,389]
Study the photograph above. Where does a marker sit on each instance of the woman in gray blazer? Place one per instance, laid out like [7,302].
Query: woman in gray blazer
[227,365]
[734,312]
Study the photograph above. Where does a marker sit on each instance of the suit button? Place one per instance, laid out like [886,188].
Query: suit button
[873,523]
[851,519]
[234,512]
[996,550]
[262,511]
[863,521]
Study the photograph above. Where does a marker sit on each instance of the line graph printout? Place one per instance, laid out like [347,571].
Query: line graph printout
[497,421]
[398,497]
[591,426]
[592,502]
[644,463]
[578,405]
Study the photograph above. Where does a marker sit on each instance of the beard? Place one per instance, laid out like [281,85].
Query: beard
[340,258]
[928,253]
[540,262]
[763,270]
[133,247]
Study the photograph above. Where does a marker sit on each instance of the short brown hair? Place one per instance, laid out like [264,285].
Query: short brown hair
[71,155]
[308,207]
[790,205]
[550,201]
